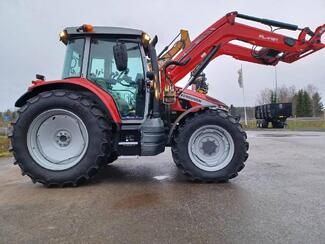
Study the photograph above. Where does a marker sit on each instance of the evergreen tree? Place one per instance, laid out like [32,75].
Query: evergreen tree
[299,103]
[294,104]
[307,105]
[317,105]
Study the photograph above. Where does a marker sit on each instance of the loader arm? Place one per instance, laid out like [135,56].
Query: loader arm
[269,47]
[181,44]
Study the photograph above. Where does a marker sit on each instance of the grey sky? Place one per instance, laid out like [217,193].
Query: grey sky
[29,39]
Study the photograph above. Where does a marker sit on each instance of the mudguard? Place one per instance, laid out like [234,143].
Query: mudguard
[39,86]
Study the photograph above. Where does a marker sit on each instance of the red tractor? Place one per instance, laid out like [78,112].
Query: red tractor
[116,97]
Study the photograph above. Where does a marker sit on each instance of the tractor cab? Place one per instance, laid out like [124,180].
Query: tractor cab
[90,54]
[115,60]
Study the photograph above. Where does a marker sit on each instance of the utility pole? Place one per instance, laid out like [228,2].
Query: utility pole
[276,84]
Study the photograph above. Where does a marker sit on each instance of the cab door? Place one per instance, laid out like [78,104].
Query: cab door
[126,87]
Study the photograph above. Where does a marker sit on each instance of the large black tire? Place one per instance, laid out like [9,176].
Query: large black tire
[112,158]
[278,125]
[182,137]
[95,120]
[265,124]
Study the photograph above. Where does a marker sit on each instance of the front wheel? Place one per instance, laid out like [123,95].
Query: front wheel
[210,146]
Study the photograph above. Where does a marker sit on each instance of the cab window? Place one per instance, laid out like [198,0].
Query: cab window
[126,87]
[73,58]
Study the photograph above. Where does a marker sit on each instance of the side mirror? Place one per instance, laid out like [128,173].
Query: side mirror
[120,56]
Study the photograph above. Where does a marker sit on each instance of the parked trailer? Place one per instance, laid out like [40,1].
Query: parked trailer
[275,113]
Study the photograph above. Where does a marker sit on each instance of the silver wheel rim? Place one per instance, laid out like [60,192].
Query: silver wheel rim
[57,139]
[211,148]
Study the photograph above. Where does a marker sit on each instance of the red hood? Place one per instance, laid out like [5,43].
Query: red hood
[201,98]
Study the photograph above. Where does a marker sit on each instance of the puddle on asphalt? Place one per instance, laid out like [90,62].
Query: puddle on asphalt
[273,165]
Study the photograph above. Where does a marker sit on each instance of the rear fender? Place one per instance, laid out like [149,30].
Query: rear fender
[77,84]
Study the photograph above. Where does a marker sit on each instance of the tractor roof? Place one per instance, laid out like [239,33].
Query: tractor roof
[105,30]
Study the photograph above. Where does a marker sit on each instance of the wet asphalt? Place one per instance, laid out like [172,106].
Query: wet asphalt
[278,198]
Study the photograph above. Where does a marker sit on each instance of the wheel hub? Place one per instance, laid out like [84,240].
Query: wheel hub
[211,148]
[63,138]
[57,139]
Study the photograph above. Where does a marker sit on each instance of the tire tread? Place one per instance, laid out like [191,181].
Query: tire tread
[176,141]
[104,125]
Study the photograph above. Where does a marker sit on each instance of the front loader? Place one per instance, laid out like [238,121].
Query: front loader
[118,97]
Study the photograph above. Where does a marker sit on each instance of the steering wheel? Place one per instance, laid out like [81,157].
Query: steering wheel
[121,78]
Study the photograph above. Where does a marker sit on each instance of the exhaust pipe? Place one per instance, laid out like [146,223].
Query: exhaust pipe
[154,64]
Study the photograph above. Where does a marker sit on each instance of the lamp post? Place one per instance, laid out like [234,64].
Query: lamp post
[276,84]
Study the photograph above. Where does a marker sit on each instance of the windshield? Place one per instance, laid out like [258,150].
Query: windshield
[73,58]
[126,87]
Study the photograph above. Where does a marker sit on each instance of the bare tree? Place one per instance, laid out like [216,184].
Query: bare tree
[283,94]
[264,97]
[286,94]
[290,95]
[311,90]
[292,91]
[316,105]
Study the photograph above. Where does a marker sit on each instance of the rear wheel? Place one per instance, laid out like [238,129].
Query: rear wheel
[278,124]
[258,125]
[210,146]
[112,158]
[61,138]
[265,124]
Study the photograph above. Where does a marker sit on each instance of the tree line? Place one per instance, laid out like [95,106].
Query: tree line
[306,102]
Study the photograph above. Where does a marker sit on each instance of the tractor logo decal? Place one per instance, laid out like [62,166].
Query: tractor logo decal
[195,99]
[191,98]
[268,38]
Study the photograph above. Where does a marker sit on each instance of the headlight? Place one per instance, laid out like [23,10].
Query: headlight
[64,36]
[145,38]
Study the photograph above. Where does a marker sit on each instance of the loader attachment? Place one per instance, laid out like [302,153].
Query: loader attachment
[307,36]
[265,46]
